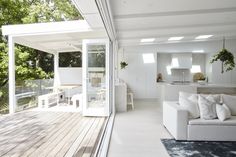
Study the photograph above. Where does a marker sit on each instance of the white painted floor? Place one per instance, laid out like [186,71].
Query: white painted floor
[137,133]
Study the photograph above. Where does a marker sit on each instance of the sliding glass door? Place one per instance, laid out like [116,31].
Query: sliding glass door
[96,78]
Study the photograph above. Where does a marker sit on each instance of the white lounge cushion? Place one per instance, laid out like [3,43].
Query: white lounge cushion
[230,101]
[222,112]
[228,122]
[207,106]
[189,102]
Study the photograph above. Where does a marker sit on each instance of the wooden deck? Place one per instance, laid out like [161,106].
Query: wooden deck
[39,134]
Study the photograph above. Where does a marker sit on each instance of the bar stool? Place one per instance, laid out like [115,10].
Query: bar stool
[130,99]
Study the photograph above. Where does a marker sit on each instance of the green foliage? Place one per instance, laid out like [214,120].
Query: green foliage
[123,65]
[30,64]
[70,59]
[227,59]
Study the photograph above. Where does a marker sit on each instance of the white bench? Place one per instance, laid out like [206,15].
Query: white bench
[50,99]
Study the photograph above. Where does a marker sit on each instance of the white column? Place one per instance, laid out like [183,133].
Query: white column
[11,75]
[56,72]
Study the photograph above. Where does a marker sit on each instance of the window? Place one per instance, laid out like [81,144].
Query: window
[70,59]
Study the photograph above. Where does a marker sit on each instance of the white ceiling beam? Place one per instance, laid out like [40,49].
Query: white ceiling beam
[46,28]
[22,41]
[178,26]
[176,13]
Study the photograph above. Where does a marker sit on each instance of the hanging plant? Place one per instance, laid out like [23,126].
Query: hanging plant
[123,64]
[226,58]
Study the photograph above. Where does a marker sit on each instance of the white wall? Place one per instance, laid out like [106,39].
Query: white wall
[70,75]
[164,61]
[140,77]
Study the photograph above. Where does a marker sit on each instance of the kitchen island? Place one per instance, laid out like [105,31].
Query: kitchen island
[170,92]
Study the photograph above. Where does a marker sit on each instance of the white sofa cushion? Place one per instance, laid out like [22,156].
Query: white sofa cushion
[222,112]
[199,121]
[189,102]
[207,106]
[230,101]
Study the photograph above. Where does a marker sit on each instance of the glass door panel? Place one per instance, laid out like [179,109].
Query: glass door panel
[96,78]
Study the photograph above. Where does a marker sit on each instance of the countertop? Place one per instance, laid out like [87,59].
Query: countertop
[207,85]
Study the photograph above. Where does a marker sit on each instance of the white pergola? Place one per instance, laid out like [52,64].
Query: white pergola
[52,37]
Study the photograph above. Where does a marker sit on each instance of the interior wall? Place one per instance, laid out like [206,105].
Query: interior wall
[169,75]
[140,77]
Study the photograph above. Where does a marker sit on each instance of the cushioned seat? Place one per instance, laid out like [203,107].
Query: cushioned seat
[228,122]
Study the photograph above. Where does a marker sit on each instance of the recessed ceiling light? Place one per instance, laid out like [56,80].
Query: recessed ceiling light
[203,36]
[198,51]
[175,38]
[147,40]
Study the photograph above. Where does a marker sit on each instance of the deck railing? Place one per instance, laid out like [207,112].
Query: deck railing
[27,92]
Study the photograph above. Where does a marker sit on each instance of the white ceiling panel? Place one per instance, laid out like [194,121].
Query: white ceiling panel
[139,19]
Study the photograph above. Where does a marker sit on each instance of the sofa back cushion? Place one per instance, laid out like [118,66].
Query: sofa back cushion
[223,112]
[230,101]
[207,106]
[190,103]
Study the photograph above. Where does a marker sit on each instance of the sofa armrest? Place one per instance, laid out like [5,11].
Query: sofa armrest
[175,119]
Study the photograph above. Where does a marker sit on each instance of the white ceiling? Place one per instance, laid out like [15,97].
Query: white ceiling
[161,19]
[60,42]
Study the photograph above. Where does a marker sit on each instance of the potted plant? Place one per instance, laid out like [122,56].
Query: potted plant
[226,58]
[123,64]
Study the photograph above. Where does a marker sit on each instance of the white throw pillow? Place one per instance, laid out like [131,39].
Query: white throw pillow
[207,106]
[223,112]
[230,101]
[190,103]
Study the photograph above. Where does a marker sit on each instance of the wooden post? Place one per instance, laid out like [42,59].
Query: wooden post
[11,75]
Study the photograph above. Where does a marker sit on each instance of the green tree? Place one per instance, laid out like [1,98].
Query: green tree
[30,64]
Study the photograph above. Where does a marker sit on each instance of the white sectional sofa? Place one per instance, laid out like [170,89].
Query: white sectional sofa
[181,127]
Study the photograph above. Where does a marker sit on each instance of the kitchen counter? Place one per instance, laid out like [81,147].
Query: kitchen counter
[170,92]
[207,85]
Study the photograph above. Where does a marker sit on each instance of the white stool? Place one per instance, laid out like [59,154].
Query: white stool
[130,99]
[75,98]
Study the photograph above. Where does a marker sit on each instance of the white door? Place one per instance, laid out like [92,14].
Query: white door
[96,77]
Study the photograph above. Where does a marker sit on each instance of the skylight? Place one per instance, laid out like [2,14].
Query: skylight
[148,58]
[175,38]
[203,36]
[147,40]
[198,51]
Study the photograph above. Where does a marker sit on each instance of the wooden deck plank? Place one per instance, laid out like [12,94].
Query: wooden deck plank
[79,140]
[97,135]
[19,120]
[68,140]
[29,144]
[39,147]
[24,135]
[29,121]
[46,148]
[89,137]
[41,133]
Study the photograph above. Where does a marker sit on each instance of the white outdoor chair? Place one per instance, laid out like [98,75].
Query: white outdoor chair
[77,98]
